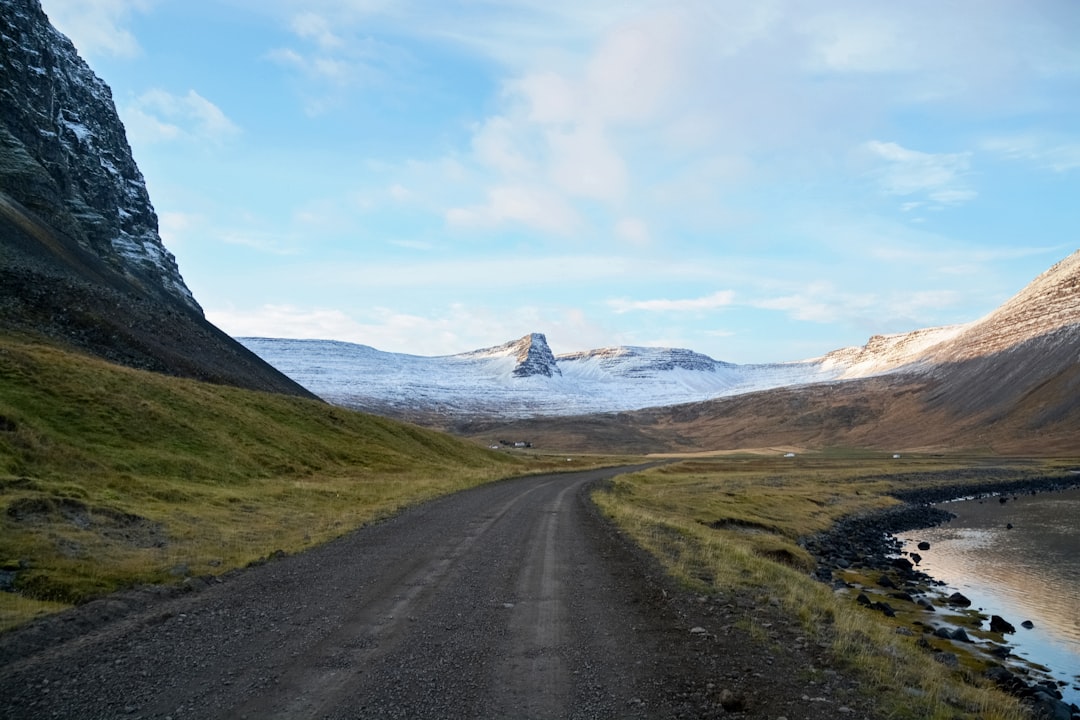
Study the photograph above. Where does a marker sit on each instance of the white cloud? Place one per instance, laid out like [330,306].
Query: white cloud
[335,71]
[633,231]
[285,321]
[267,242]
[336,54]
[597,97]
[534,207]
[496,147]
[941,177]
[1055,154]
[717,300]
[160,116]
[97,27]
[456,328]
[412,245]
[314,27]
[801,307]
[638,67]
[585,163]
[550,98]
[399,192]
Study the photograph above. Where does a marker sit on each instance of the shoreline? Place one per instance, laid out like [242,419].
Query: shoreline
[861,556]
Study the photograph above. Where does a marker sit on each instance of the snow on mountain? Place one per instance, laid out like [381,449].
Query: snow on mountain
[886,353]
[1047,304]
[532,354]
[522,378]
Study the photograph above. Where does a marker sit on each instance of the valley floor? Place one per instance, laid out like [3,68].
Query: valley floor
[510,600]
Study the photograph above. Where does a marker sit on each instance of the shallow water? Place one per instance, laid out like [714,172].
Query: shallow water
[1030,572]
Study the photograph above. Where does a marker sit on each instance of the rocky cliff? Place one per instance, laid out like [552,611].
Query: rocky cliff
[531,353]
[64,154]
[81,261]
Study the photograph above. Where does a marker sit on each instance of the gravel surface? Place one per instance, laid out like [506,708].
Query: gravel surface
[514,600]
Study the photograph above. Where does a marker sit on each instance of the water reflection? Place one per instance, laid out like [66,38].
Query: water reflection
[1029,572]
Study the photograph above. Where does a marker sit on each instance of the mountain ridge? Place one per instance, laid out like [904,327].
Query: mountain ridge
[981,371]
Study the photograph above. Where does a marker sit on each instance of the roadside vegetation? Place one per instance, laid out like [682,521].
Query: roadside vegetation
[112,477]
[733,523]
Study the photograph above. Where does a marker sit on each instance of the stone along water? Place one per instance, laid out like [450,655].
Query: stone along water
[1029,572]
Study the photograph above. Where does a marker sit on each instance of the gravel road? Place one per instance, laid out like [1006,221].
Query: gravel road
[513,600]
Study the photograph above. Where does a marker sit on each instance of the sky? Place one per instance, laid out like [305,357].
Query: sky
[758,181]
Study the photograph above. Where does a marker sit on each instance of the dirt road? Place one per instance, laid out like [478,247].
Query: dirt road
[514,600]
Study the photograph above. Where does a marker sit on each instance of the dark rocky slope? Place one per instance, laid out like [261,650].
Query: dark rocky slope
[81,260]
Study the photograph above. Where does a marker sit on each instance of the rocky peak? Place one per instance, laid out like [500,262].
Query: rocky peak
[64,154]
[531,353]
[534,357]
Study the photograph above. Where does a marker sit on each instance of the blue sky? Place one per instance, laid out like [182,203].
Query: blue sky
[762,181]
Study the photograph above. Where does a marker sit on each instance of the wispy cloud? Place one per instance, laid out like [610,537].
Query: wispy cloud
[940,177]
[457,328]
[714,301]
[335,55]
[268,243]
[1059,155]
[286,321]
[535,207]
[161,116]
[633,231]
[317,28]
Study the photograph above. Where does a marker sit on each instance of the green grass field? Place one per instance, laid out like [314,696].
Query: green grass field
[111,477]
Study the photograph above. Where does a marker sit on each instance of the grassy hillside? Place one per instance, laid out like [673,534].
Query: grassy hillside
[111,476]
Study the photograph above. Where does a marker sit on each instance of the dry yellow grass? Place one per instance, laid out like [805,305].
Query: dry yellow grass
[731,524]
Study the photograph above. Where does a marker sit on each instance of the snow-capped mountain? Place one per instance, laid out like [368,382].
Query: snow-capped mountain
[524,379]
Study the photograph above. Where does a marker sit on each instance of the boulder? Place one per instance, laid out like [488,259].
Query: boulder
[958,599]
[1049,707]
[999,624]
